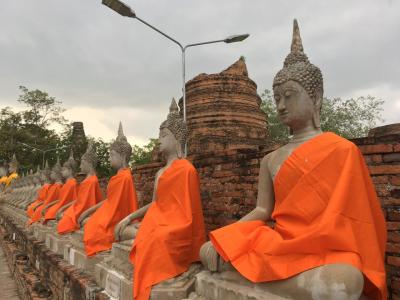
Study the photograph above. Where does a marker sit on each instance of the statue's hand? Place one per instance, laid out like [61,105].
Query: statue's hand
[119,229]
[209,257]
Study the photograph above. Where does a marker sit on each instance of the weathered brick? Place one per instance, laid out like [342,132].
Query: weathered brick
[391,157]
[393,248]
[380,179]
[393,225]
[395,180]
[384,169]
[396,148]
[393,215]
[393,260]
[380,148]
[394,236]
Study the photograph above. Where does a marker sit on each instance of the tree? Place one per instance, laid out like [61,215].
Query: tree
[43,110]
[351,118]
[31,127]
[143,155]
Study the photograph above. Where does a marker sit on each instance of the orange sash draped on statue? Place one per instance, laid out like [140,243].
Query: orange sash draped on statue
[41,197]
[326,211]
[89,194]
[68,193]
[172,231]
[52,195]
[121,201]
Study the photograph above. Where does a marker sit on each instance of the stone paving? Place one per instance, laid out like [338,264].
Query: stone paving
[8,288]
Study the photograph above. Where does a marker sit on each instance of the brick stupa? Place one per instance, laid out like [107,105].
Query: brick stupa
[223,111]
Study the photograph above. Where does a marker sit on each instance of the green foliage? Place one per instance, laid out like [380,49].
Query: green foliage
[350,118]
[102,150]
[142,155]
[42,110]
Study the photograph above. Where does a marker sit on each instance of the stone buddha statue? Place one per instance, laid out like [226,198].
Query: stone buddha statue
[57,179]
[43,176]
[3,177]
[88,194]
[121,200]
[13,170]
[68,192]
[172,224]
[326,242]
[54,179]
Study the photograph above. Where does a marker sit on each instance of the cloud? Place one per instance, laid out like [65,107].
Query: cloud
[100,64]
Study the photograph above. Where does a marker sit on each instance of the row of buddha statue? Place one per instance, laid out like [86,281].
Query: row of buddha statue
[328,235]
[8,174]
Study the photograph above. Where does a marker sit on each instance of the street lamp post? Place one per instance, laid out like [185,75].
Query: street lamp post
[124,10]
[43,151]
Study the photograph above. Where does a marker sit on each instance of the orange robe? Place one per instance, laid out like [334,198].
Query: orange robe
[121,201]
[89,194]
[326,211]
[68,193]
[41,197]
[172,231]
[52,195]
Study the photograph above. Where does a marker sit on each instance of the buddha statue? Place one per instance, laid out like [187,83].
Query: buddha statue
[172,225]
[68,192]
[35,190]
[43,177]
[52,194]
[121,200]
[328,238]
[13,170]
[3,177]
[88,194]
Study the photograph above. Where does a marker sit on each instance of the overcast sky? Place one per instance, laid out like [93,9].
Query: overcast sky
[106,68]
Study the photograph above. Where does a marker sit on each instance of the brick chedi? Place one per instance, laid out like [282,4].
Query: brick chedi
[223,111]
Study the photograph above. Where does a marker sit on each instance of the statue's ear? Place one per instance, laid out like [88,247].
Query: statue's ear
[318,99]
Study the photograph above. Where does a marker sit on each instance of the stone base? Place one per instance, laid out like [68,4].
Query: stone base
[79,259]
[57,243]
[40,231]
[229,286]
[177,288]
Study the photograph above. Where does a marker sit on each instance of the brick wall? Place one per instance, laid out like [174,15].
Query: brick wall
[382,153]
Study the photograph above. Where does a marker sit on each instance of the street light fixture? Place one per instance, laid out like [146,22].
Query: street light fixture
[124,10]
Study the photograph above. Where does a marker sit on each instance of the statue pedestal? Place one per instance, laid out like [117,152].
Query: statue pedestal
[77,256]
[114,274]
[229,285]
[56,242]
[40,231]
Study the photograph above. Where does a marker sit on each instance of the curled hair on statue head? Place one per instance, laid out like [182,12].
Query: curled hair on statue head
[121,145]
[176,124]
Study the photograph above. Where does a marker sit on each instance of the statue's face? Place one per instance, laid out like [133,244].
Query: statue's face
[85,167]
[66,172]
[167,141]
[12,169]
[36,180]
[295,107]
[116,159]
[53,176]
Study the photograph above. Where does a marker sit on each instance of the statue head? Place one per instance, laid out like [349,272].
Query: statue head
[89,159]
[45,173]
[36,177]
[69,167]
[120,150]
[298,87]
[13,165]
[173,132]
[55,173]
[3,170]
